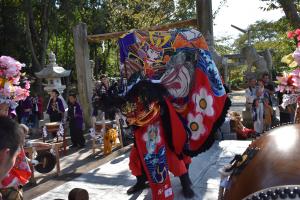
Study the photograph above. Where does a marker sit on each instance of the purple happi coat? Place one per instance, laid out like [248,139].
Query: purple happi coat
[75,115]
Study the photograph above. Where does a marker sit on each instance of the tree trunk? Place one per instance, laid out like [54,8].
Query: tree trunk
[44,31]
[290,10]
[36,64]
[205,20]
[38,44]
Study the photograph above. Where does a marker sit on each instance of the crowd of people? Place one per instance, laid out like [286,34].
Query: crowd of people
[15,170]
[262,101]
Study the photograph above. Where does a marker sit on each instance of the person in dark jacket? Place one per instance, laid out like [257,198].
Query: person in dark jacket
[55,108]
[75,119]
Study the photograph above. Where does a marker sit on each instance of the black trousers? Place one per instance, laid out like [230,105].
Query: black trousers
[76,135]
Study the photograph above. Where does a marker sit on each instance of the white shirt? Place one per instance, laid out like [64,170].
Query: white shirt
[250,94]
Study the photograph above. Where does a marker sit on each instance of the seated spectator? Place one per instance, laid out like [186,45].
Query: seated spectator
[78,194]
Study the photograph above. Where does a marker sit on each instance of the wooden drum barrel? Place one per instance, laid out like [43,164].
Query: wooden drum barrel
[52,126]
[269,166]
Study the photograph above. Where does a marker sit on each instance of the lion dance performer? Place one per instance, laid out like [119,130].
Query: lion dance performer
[10,93]
[175,99]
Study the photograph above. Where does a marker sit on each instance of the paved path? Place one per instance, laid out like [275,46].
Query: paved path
[238,101]
[111,180]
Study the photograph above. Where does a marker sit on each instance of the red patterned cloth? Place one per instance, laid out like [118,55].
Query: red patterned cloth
[19,174]
[154,156]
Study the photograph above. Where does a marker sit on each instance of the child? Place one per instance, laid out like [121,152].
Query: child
[257,114]
[268,113]
[75,122]
[260,87]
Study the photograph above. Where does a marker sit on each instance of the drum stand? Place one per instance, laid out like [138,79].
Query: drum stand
[29,151]
[64,142]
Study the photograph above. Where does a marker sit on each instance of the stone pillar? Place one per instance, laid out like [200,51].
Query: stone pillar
[83,69]
[225,66]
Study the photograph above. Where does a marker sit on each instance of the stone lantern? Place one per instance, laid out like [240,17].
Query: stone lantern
[53,74]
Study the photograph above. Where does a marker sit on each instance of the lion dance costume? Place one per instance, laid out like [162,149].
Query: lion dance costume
[175,99]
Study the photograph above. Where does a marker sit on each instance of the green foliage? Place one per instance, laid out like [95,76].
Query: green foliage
[236,76]
[101,16]
[223,45]
[12,31]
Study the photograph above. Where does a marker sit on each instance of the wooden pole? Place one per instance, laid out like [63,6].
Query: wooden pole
[83,69]
[106,36]
[205,20]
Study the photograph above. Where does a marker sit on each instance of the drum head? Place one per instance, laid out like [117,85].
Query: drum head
[47,162]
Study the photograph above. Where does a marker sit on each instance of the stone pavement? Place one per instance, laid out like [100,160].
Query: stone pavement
[238,100]
[111,180]
[77,163]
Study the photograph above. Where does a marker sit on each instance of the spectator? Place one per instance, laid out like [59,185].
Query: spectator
[99,99]
[75,119]
[287,113]
[40,108]
[269,94]
[26,112]
[268,114]
[250,93]
[20,173]
[35,111]
[258,118]
[266,79]
[260,88]
[55,108]
[10,141]
[4,109]
[113,89]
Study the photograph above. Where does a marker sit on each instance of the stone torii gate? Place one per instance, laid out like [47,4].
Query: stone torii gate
[82,40]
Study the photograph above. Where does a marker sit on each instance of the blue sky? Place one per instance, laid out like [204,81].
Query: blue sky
[241,13]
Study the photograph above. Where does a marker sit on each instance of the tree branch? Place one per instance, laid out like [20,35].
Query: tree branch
[290,11]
